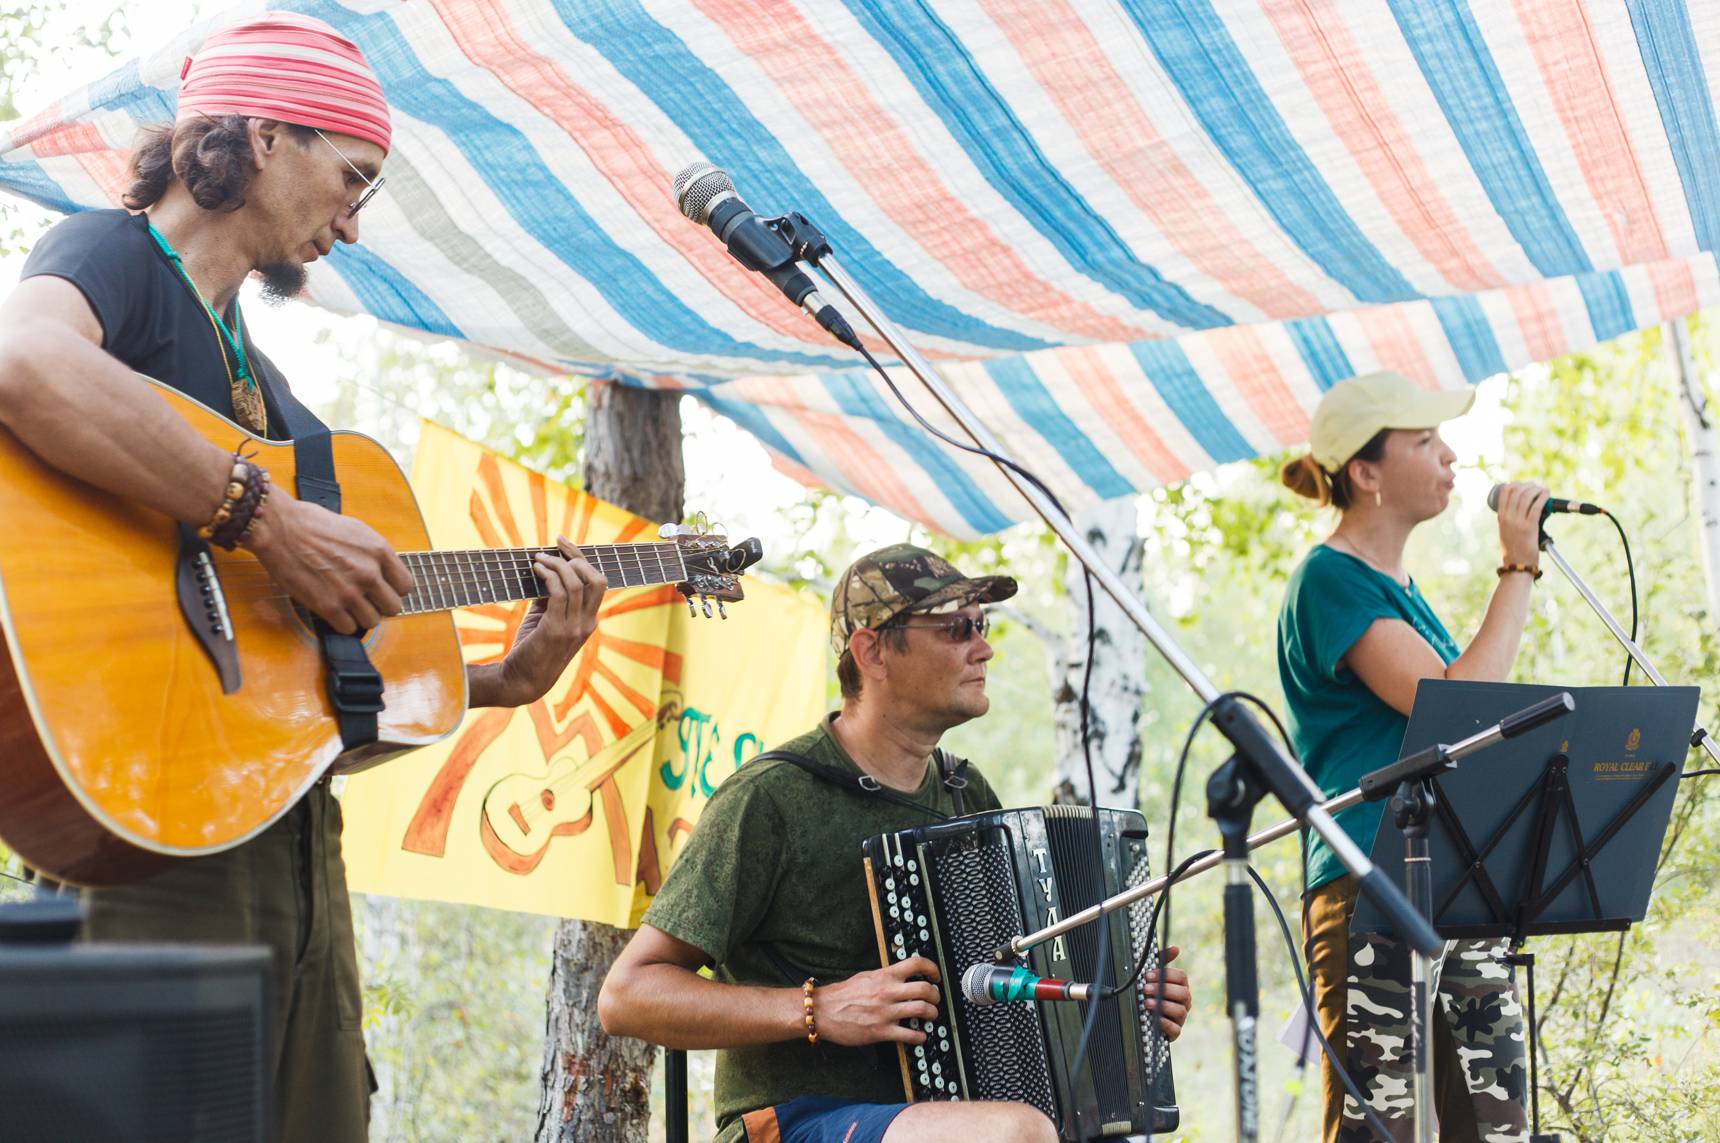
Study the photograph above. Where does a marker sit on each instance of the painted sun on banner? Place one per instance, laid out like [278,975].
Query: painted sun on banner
[575,804]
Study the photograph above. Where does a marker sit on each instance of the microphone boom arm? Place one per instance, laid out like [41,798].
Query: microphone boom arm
[1254,745]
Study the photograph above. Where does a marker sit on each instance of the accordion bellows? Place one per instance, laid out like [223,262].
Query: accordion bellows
[957,890]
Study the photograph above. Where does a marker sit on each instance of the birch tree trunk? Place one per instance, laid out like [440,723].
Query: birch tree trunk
[593,1088]
[1118,685]
[1704,458]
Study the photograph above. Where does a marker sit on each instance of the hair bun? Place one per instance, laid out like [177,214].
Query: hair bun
[1306,478]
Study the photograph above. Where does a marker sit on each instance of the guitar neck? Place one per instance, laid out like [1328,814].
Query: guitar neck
[448,579]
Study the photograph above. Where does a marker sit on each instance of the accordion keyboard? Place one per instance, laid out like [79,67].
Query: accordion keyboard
[903,896]
[955,892]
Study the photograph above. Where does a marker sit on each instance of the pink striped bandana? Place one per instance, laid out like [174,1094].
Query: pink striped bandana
[285,66]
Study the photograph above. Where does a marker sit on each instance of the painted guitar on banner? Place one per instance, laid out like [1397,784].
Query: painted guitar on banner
[163,699]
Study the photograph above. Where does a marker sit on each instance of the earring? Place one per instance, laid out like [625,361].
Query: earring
[1376,498]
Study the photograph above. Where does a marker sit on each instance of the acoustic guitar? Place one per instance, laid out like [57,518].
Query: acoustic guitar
[163,699]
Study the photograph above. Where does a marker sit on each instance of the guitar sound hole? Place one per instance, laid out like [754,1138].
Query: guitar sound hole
[548,800]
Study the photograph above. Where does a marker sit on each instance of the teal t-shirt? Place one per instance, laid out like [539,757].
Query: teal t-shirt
[1340,728]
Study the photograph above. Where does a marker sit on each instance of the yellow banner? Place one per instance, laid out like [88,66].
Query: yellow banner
[575,805]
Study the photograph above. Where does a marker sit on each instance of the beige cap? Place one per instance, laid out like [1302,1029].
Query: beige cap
[1352,411]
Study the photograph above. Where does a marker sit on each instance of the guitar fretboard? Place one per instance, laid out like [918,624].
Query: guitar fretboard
[448,579]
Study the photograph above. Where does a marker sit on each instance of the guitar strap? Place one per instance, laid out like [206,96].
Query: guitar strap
[354,685]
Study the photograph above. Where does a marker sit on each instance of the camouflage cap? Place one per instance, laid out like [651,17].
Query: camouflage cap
[899,579]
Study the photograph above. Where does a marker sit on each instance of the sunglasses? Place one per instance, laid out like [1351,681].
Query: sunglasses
[961,628]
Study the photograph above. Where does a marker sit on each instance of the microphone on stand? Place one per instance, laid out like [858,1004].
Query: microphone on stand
[1554,504]
[986,984]
[706,195]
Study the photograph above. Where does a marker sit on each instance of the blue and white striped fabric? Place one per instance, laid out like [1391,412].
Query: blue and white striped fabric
[1140,238]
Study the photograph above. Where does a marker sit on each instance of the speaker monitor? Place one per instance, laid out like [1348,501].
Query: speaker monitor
[132,1043]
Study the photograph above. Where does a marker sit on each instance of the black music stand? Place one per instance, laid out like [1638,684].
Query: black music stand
[1557,831]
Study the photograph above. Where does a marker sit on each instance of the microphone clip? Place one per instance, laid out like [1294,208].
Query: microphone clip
[803,237]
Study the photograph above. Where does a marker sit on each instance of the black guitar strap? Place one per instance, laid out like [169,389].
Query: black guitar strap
[354,685]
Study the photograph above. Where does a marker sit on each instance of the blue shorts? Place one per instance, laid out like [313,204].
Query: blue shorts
[818,1119]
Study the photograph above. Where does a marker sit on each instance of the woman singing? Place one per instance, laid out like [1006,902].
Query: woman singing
[1355,636]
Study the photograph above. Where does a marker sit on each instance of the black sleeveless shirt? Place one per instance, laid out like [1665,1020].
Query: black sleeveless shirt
[150,319]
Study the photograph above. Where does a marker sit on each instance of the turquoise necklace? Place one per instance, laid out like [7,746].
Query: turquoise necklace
[231,340]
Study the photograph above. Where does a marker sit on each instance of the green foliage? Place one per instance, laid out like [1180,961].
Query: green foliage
[453,1018]
[1627,1031]
[31,35]
[28,31]
[389,381]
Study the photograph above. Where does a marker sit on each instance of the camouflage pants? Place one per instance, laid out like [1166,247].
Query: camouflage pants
[1362,994]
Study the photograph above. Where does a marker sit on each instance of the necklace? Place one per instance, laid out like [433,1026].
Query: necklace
[248,404]
[1405,582]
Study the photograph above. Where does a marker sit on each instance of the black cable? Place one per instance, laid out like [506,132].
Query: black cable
[1697,773]
[1306,992]
[1630,566]
[1164,900]
[19,880]
[977,450]
[1103,965]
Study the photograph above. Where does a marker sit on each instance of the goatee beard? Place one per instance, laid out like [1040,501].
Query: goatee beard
[282,281]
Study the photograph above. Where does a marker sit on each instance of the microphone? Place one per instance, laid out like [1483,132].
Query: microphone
[706,195]
[986,984]
[1553,504]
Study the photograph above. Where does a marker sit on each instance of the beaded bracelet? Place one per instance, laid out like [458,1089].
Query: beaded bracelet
[247,488]
[806,1001]
[1528,569]
[245,517]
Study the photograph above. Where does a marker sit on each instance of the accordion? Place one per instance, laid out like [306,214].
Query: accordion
[955,891]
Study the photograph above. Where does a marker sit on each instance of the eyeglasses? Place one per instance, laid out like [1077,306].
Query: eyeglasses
[371,188]
[960,628]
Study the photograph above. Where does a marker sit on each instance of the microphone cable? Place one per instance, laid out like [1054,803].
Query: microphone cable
[1630,567]
[1304,989]
[1102,965]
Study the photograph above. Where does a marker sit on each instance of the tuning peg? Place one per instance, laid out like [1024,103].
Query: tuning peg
[705,601]
[691,612]
[720,610]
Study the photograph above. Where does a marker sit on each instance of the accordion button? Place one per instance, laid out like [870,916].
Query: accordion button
[913,879]
[937,1069]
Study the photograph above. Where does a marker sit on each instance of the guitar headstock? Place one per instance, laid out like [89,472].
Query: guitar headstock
[714,566]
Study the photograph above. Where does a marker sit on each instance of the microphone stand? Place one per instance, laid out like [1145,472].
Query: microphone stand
[1408,782]
[1699,736]
[1259,765]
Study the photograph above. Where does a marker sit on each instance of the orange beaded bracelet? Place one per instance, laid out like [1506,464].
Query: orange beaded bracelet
[806,1001]
[1527,569]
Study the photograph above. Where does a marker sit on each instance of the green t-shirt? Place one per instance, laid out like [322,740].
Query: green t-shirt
[775,860]
[1341,729]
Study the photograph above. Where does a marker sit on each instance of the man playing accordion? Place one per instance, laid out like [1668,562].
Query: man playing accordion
[771,893]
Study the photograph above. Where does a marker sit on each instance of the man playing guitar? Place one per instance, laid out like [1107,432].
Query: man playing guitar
[281,133]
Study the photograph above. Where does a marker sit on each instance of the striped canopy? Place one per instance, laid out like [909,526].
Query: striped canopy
[1140,237]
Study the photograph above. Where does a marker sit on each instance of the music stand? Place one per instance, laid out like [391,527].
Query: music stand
[1556,832]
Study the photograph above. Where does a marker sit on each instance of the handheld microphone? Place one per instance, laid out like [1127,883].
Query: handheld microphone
[1554,504]
[706,195]
[986,984]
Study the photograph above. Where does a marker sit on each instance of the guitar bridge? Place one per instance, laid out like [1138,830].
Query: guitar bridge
[203,603]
